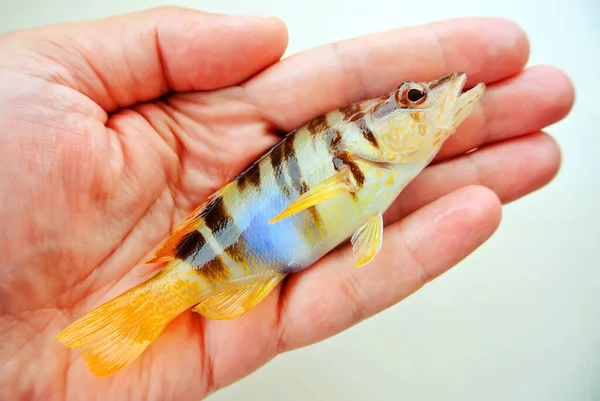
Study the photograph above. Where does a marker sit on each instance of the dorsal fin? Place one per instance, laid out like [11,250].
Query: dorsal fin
[169,248]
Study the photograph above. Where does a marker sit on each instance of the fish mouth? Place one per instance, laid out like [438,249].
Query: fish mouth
[457,104]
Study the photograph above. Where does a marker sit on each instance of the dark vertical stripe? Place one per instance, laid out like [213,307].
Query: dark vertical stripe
[237,250]
[357,173]
[292,166]
[216,216]
[276,158]
[315,218]
[342,158]
[366,131]
[219,221]
[276,154]
[294,172]
[189,244]
[352,112]
[318,125]
[214,270]
[250,177]
[332,139]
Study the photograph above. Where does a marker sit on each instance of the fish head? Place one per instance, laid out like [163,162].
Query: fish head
[419,116]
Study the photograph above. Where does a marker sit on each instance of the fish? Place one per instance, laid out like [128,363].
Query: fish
[325,183]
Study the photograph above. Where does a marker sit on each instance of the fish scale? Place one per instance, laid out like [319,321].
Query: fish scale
[326,182]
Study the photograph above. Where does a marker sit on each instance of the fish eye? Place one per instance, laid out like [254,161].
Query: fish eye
[411,94]
[415,94]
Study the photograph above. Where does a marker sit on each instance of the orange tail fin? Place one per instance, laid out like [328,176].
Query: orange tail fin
[117,332]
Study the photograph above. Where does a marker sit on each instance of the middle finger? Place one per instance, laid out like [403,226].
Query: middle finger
[511,169]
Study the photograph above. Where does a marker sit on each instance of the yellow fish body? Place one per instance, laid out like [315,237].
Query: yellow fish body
[327,181]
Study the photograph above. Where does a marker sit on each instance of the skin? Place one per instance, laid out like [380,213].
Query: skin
[114,130]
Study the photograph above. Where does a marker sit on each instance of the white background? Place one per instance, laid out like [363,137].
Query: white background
[520,318]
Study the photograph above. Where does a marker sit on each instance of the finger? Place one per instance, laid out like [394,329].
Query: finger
[316,81]
[134,58]
[511,169]
[331,297]
[526,103]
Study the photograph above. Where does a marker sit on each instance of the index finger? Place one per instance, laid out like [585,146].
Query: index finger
[315,81]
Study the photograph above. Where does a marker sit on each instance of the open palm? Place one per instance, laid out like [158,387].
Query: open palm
[113,131]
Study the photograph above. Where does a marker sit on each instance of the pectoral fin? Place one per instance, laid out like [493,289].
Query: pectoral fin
[366,241]
[232,304]
[326,189]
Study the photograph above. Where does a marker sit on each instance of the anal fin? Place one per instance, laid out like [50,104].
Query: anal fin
[232,304]
[367,240]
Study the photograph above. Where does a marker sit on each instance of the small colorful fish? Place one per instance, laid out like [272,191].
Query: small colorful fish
[327,181]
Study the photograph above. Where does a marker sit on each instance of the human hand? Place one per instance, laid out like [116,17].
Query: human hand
[114,130]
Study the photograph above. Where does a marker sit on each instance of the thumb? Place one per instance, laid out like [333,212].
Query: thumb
[133,58]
